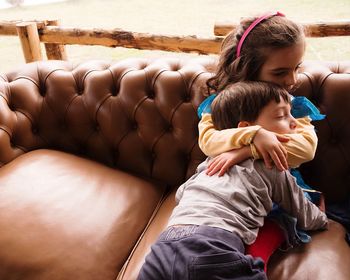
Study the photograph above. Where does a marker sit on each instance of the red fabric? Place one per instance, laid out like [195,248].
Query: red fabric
[269,239]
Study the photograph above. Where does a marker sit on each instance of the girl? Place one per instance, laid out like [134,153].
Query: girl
[267,48]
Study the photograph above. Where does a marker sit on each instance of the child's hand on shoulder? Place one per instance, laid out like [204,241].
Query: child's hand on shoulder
[223,162]
[271,149]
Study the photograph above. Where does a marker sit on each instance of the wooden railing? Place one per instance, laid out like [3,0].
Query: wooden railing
[55,37]
[313,29]
[29,36]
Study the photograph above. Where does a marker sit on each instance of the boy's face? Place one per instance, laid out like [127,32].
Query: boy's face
[276,117]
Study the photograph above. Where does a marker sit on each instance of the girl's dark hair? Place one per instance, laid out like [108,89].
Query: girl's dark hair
[273,33]
[243,101]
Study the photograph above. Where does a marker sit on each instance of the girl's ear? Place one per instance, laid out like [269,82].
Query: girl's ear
[243,124]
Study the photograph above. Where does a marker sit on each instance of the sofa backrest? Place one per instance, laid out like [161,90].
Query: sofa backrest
[137,115]
[140,115]
[327,84]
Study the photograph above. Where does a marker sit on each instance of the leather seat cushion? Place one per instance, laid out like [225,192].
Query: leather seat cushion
[84,218]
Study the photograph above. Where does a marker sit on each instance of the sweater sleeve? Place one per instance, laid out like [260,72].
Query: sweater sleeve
[302,145]
[287,194]
[300,148]
[213,142]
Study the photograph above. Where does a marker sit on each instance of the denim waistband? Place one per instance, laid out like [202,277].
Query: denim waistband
[183,231]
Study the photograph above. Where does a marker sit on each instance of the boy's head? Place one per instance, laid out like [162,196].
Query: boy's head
[253,103]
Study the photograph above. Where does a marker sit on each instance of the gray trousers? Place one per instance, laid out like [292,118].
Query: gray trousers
[200,253]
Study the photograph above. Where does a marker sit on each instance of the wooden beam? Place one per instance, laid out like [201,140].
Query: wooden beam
[327,29]
[222,28]
[29,37]
[55,37]
[53,50]
[126,39]
[8,28]
[318,29]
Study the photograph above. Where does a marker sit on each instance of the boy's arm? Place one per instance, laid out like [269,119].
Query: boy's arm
[287,194]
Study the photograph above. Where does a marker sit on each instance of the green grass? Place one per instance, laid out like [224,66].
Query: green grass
[180,17]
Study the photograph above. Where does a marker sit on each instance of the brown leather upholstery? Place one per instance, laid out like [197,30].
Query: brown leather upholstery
[328,85]
[67,217]
[131,115]
[325,257]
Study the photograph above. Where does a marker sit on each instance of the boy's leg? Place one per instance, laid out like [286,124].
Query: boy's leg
[164,262]
[200,253]
[214,253]
[159,262]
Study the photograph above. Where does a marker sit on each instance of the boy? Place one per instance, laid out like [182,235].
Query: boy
[215,216]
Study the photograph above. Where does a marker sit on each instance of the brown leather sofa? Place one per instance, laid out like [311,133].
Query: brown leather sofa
[91,156]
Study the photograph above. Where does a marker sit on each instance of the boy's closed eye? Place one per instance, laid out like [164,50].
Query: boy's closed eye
[283,115]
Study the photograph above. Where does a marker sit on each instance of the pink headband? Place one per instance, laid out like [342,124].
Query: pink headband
[255,23]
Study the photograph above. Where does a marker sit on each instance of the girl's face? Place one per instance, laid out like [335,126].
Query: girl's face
[281,66]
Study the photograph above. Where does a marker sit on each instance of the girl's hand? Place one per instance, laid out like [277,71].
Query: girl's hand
[225,161]
[271,149]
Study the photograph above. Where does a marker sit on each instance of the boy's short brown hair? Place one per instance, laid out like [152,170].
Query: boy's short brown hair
[243,101]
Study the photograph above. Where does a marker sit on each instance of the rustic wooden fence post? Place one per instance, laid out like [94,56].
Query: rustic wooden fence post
[55,51]
[30,41]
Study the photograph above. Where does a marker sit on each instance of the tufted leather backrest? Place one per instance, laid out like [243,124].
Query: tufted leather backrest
[137,115]
[327,84]
[140,115]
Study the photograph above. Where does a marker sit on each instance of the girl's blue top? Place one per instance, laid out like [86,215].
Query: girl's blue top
[301,107]
[205,106]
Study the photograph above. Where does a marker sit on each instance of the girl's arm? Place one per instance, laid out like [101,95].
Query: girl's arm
[213,142]
[300,147]
[217,142]
[221,163]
